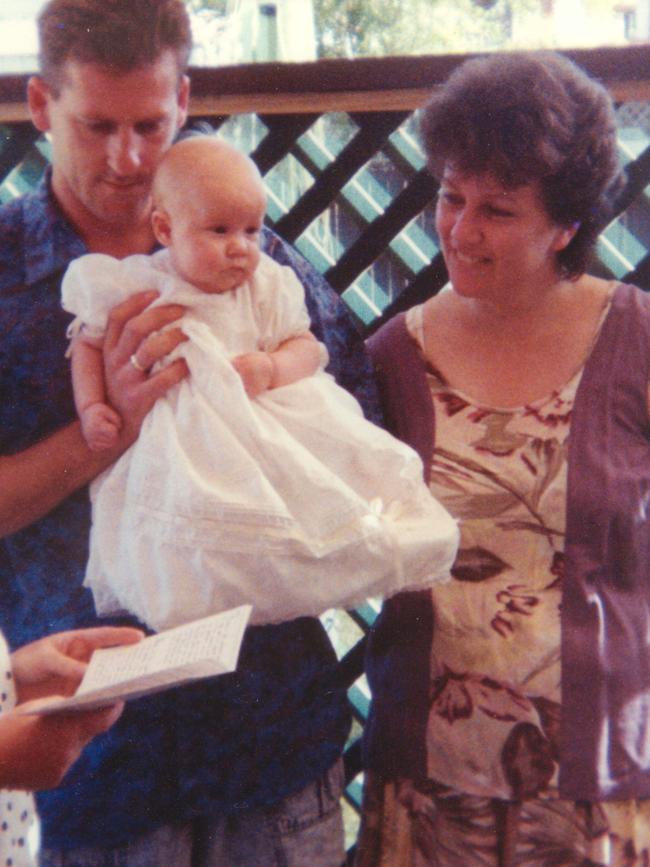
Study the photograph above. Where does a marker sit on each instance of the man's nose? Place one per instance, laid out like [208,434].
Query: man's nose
[125,152]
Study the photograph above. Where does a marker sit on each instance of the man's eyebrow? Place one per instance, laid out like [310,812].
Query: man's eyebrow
[152,118]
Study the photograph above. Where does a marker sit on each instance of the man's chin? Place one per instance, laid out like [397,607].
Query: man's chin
[122,210]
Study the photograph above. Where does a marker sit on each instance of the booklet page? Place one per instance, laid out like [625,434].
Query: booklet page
[203,648]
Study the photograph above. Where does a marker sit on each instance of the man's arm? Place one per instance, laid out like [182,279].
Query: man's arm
[32,482]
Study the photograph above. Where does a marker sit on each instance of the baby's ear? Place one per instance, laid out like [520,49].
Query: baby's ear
[161,226]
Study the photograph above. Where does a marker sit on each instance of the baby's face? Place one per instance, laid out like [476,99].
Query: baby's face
[215,236]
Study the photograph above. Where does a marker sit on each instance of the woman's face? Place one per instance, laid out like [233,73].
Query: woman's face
[498,243]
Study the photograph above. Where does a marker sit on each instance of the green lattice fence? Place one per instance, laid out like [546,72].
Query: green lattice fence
[337,145]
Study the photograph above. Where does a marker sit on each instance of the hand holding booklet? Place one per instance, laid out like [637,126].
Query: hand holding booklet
[185,653]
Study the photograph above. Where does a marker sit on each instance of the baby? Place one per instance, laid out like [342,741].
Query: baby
[213,243]
[257,479]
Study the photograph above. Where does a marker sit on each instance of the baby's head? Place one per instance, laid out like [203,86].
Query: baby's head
[209,204]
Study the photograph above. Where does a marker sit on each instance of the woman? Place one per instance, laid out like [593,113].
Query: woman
[516,731]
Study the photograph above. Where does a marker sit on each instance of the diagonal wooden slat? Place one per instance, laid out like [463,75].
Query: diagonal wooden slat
[378,234]
[640,276]
[427,282]
[283,132]
[638,176]
[373,132]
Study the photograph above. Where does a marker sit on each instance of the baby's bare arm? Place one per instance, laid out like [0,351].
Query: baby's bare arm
[293,360]
[87,374]
[100,423]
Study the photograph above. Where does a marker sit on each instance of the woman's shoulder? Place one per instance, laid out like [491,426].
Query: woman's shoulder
[395,340]
[629,294]
[438,319]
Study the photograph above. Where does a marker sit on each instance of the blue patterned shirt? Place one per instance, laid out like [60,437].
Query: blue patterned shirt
[226,744]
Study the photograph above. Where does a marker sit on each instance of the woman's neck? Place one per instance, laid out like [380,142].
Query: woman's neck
[514,312]
[507,356]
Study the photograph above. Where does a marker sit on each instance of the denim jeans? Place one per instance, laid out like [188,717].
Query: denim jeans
[303,830]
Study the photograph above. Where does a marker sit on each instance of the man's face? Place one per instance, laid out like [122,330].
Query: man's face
[108,133]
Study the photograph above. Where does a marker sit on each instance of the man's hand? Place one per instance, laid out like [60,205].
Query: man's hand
[35,480]
[55,665]
[134,332]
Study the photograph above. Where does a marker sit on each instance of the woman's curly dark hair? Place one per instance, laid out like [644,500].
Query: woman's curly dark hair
[526,117]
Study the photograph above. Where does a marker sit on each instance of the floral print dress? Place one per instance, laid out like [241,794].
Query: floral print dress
[490,797]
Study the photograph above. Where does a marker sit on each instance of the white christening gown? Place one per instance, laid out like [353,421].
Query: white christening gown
[292,502]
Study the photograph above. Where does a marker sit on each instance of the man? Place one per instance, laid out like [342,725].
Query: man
[239,770]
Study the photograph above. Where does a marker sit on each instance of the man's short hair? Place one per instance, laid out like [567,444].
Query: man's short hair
[123,35]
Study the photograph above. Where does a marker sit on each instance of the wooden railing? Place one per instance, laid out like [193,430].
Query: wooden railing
[337,144]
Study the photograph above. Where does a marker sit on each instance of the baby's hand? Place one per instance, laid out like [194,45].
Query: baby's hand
[256,370]
[101,426]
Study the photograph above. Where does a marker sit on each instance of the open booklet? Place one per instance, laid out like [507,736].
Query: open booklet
[189,652]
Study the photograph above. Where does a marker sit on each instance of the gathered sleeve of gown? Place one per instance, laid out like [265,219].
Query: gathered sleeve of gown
[280,307]
[93,284]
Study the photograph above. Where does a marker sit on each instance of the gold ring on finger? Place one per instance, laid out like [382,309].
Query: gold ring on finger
[135,363]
